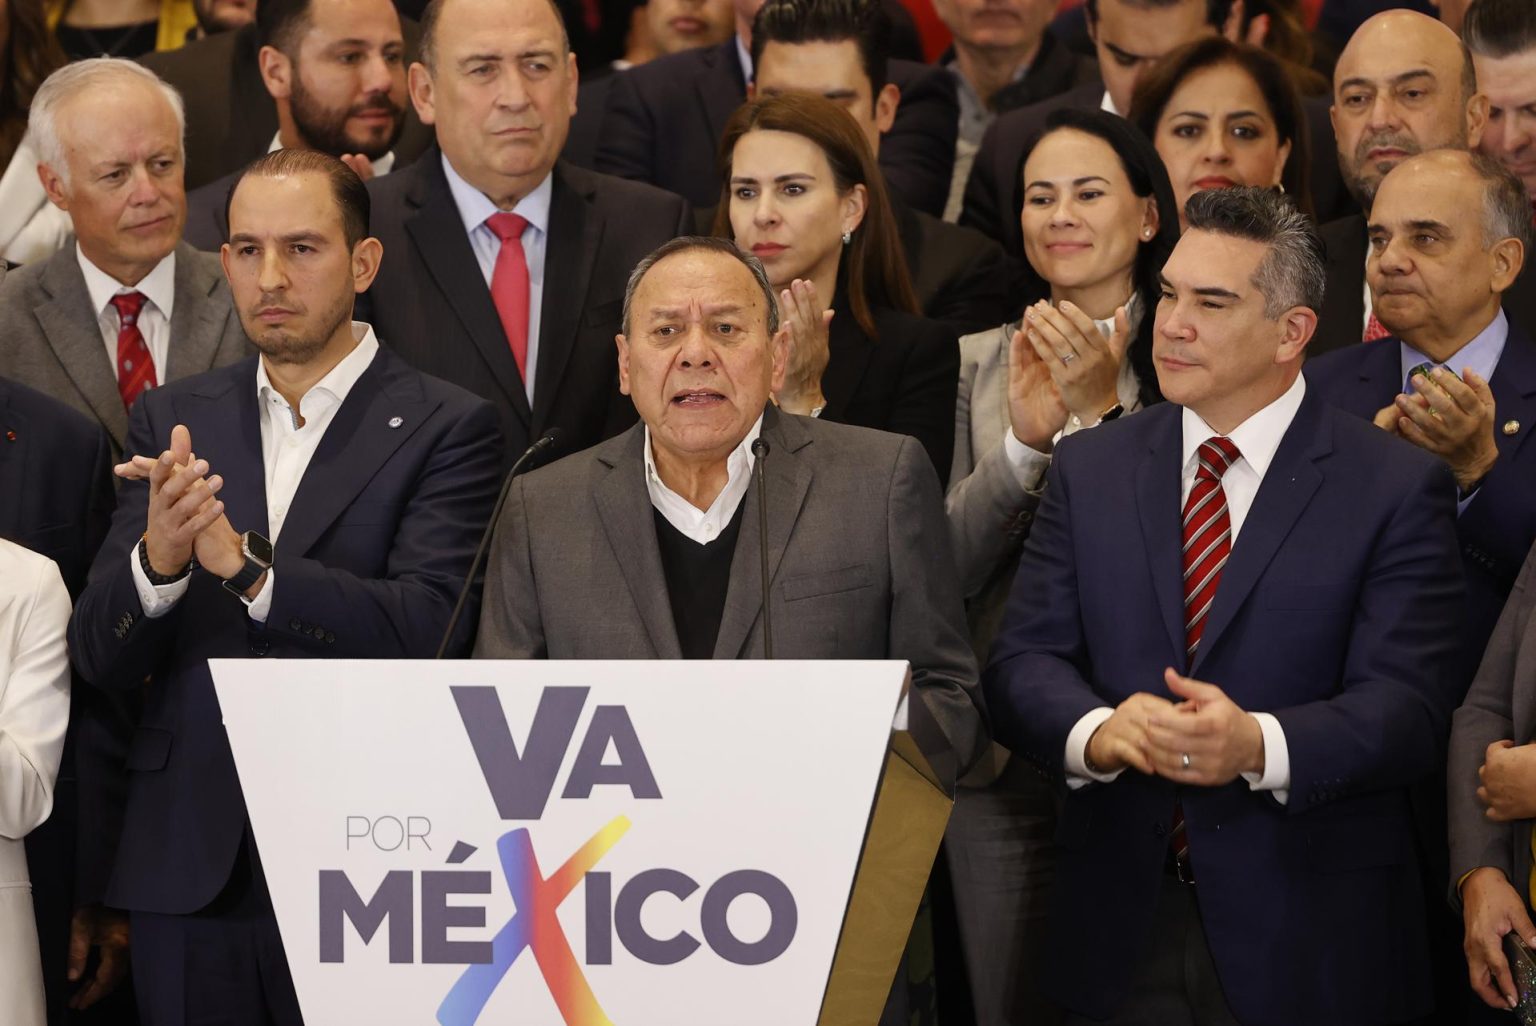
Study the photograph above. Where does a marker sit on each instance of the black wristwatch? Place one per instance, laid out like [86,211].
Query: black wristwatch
[258,560]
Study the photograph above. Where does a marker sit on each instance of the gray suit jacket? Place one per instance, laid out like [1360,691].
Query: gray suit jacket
[858,559]
[49,338]
[1500,705]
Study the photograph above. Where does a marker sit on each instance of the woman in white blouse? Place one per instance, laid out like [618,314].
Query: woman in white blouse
[34,710]
[1099,220]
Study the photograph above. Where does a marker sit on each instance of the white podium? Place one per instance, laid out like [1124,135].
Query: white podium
[582,843]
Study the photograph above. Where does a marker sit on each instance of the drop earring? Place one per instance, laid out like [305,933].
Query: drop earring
[847,236]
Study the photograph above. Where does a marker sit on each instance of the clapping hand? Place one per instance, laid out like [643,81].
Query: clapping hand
[1083,363]
[1452,418]
[1035,409]
[809,338]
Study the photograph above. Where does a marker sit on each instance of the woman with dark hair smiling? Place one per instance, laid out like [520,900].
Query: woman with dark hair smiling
[1224,114]
[802,192]
[1098,223]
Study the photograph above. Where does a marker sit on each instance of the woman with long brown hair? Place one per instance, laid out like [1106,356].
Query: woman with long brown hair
[801,191]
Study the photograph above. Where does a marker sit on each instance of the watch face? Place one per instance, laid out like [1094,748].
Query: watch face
[259,548]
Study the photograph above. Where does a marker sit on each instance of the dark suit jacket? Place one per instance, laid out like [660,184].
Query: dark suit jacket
[586,127]
[431,305]
[665,118]
[1330,197]
[231,118]
[1341,321]
[904,381]
[1054,70]
[858,560]
[1498,527]
[993,194]
[49,338]
[1336,612]
[373,553]
[961,277]
[56,498]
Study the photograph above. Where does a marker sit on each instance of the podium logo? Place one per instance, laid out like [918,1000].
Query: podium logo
[521,784]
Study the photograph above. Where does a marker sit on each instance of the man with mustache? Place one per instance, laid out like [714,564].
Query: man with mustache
[1404,84]
[335,70]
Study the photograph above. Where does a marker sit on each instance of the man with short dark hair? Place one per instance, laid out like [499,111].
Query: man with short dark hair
[509,263]
[1129,36]
[1237,697]
[233,96]
[1501,35]
[336,71]
[331,509]
[840,49]
[665,119]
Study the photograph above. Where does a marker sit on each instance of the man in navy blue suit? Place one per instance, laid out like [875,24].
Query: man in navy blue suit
[330,509]
[1449,233]
[1226,640]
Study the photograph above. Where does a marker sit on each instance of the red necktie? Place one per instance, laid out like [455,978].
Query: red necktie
[1207,544]
[509,285]
[135,368]
[1374,330]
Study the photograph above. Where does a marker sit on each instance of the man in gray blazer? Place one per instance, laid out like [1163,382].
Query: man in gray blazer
[129,306]
[1492,796]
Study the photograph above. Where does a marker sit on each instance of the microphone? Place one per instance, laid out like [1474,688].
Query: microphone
[546,442]
[760,450]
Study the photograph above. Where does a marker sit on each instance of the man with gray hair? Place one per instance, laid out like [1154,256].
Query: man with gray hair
[129,306]
[1236,614]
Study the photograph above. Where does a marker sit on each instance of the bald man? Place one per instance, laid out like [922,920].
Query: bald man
[1403,85]
[1449,235]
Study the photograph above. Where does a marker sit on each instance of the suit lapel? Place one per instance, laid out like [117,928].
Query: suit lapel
[438,233]
[1289,484]
[849,352]
[358,442]
[71,329]
[722,90]
[1514,392]
[225,421]
[788,478]
[1380,377]
[197,322]
[624,506]
[1157,507]
[575,236]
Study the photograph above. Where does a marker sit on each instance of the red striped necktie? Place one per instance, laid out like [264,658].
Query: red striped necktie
[135,368]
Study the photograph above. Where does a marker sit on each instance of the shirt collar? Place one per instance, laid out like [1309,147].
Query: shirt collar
[1256,438]
[158,286]
[475,206]
[744,56]
[738,463]
[1108,103]
[383,166]
[1481,354]
[337,382]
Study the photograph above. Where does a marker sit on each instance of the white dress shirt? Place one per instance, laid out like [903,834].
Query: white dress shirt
[159,289]
[1108,104]
[474,208]
[286,449]
[383,166]
[1256,439]
[704,526]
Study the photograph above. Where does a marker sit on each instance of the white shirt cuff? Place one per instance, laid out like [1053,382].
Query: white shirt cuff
[1277,760]
[259,607]
[1029,465]
[1078,773]
[157,600]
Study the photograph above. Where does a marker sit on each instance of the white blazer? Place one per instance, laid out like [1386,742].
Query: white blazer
[31,228]
[34,710]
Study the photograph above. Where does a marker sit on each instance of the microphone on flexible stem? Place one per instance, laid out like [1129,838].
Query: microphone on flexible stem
[546,442]
[760,456]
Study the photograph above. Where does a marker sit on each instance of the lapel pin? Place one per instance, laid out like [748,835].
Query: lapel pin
[1511,427]
[395,422]
[10,436]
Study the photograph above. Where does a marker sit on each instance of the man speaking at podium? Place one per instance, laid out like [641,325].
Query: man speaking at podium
[649,546]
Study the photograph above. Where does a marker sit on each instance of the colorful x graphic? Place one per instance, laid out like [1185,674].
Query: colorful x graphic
[535,926]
